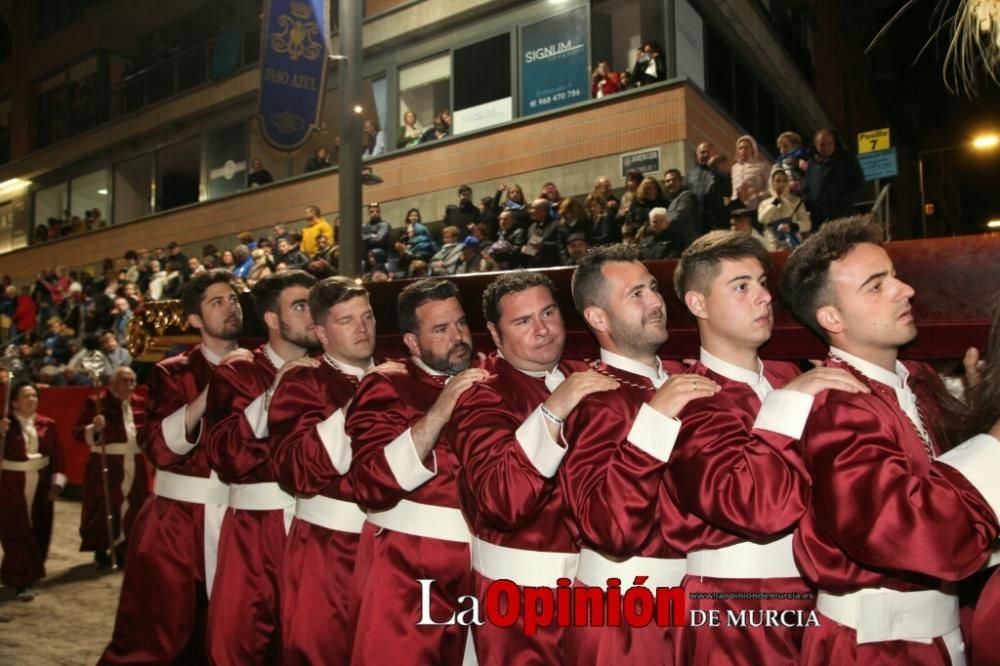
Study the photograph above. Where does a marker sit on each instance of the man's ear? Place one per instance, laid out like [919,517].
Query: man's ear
[596,318]
[695,303]
[410,340]
[494,333]
[321,335]
[829,318]
[271,321]
[195,321]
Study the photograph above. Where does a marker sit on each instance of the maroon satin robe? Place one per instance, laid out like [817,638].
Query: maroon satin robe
[742,484]
[389,563]
[618,500]
[25,530]
[93,515]
[164,601]
[244,613]
[318,607]
[986,624]
[882,514]
[506,500]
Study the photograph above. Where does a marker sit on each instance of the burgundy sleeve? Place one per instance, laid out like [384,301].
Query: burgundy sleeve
[232,447]
[85,419]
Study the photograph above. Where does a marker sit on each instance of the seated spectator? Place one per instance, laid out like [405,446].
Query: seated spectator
[117,355]
[573,219]
[741,220]
[793,157]
[375,263]
[749,174]
[418,269]
[834,181]
[288,253]
[244,262]
[410,132]
[415,242]
[626,79]
[258,174]
[380,275]
[647,196]
[323,249]
[195,267]
[606,228]
[280,231]
[604,81]
[602,187]
[315,224]
[373,140]
[227,261]
[506,251]
[90,360]
[445,261]
[321,160]
[718,201]
[375,232]
[261,267]
[441,128]
[683,210]
[464,214]
[650,65]
[655,240]
[472,259]
[122,313]
[576,247]
[41,233]
[551,192]
[632,181]
[157,280]
[208,253]
[542,247]
[174,252]
[320,269]
[174,280]
[515,202]
[99,221]
[783,215]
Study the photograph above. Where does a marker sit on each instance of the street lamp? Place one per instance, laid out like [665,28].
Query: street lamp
[981,142]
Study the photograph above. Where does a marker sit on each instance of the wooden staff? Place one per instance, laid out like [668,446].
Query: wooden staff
[102,448]
[4,411]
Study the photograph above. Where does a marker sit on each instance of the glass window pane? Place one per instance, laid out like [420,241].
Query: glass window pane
[51,207]
[89,199]
[178,169]
[133,188]
[424,92]
[619,27]
[227,161]
[482,84]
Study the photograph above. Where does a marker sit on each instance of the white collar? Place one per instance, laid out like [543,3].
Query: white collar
[429,370]
[730,371]
[273,357]
[30,420]
[871,371]
[347,369]
[657,376]
[553,378]
[210,355]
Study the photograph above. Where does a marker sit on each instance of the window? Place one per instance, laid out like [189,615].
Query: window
[5,106]
[424,90]
[482,84]
[619,27]
[178,174]
[227,162]
[89,194]
[51,206]
[133,189]
[71,101]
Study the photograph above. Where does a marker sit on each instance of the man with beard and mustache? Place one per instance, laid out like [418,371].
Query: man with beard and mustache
[894,520]
[506,431]
[612,476]
[737,465]
[404,474]
[171,557]
[312,453]
[243,618]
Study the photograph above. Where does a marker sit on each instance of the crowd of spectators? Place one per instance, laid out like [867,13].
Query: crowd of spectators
[66,317]
[69,225]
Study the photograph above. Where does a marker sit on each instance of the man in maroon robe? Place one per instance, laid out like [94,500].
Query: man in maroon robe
[894,520]
[506,433]
[243,615]
[404,474]
[737,466]
[620,442]
[172,555]
[117,415]
[311,455]
[31,477]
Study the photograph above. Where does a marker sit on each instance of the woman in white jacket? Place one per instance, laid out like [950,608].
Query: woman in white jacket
[749,173]
[783,215]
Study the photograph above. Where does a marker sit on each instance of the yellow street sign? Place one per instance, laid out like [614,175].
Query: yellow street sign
[870,142]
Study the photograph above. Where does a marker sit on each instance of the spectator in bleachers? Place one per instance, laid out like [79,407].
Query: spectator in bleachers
[261,266]
[573,219]
[373,140]
[280,231]
[122,315]
[415,242]
[718,200]
[157,280]
[506,250]
[683,210]
[440,129]
[419,269]
[749,174]
[650,65]
[321,160]
[195,267]
[8,305]
[244,262]
[410,132]
[287,253]
[606,227]
[464,214]
[657,240]
[602,187]
[551,192]
[648,195]
[323,250]
[315,224]
[115,352]
[320,269]
[783,215]
[793,157]
[227,260]
[488,220]
[471,260]
[175,280]
[375,263]
[741,220]
[543,246]
[88,358]
[632,181]
[175,253]
[575,249]
[258,175]
[700,179]
[375,232]
[445,261]
[604,81]
[209,253]
[834,181]
[131,266]
[515,199]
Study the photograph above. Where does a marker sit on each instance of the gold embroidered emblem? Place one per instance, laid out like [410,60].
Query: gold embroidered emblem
[297,35]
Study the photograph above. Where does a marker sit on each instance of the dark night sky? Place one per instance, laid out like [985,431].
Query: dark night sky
[925,115]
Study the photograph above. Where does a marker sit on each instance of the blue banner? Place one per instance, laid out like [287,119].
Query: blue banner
[554,68]
[292,71]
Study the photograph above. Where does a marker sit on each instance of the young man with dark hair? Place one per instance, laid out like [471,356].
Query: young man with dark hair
[404,474]
[253,532]
[506,432]
[612,476]
[164,599]
[894,520]
[312,453]
[742,446]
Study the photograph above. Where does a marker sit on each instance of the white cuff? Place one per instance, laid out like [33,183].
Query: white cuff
[405,464]
[336,441]
[174,430]
[536,441]
[89,435]
[978,459]
[994,558]
[59,479]
[654,433]
[256,415]
[784,412]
